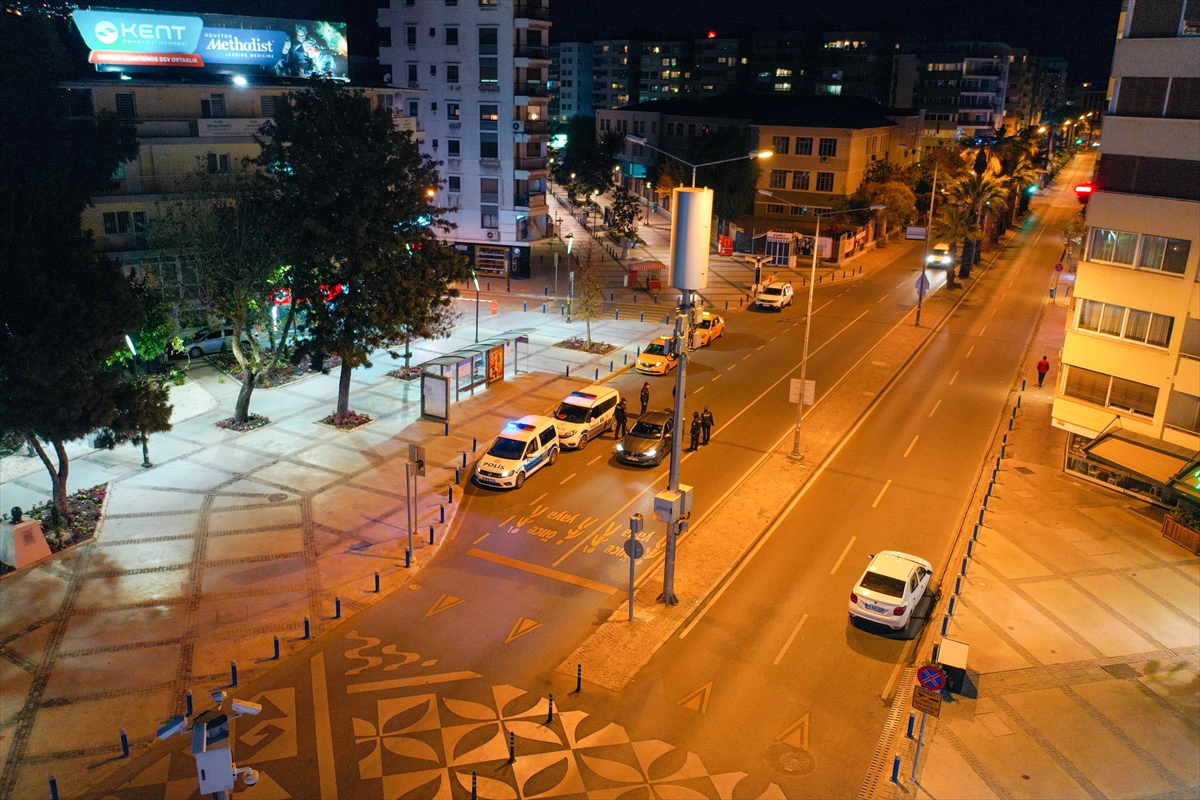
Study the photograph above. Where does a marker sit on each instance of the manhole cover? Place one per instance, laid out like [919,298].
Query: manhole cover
[278,497]
[1024,470]
[1121,671]
[789,760]
[980,583]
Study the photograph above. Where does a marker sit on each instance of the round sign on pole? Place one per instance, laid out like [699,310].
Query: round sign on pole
[931,678]
[634,549]
[1058,267]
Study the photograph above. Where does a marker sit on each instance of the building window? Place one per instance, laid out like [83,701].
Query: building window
[452,36]
[119,222]
[1125,323]
[452,73]
[797,211]
[218,163]
[412,75]
[433,69]
[270,104]
[489,41]
[414,108]
[454,148]
[489,117]
[489,145]
[773,208]
[126,105]
[1190,346]
[410,35]
[451,2]
[824,181]
[780,144]
[1183,102]
[453,110]
[454,183]
[804,145]
[1162,253]
[1110,391]
[691,129]
[1141,97]
[1183,412]
[1113,247]
[489,70]
[778,179]
[213,106]
[489,217]
[489,191]
[828,147]
[800,180]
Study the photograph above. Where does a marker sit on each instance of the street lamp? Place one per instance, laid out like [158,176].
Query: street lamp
[641,141]
[812,281]
[475,278]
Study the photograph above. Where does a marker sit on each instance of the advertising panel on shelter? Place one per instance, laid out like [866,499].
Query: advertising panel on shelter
[122,39]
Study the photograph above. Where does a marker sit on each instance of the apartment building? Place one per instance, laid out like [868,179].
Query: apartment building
[718,66]
[183,130]
[666,69]
[960,86]
[782,61]
[570,80]
[482,67]
[616,71]
[1128,394]
[857,64]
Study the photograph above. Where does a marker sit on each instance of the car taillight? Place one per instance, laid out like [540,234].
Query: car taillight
[898,611]
[854,598]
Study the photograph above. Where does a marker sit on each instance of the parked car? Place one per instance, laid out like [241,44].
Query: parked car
[521,449]
[585,415]
[774,295]
[710,328]
[657,359]
[648,441]
[890,588]
[206,341]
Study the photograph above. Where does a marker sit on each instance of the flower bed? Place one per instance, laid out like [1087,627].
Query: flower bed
[253,423]
[348,421]
[583,345]
[79,524]
[405,374]
[282,374]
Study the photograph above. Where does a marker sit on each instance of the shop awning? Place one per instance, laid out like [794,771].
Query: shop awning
[1151,458]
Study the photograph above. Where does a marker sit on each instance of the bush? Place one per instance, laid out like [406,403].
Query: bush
[583,345]
[253,423]
[346,422]
[80,522]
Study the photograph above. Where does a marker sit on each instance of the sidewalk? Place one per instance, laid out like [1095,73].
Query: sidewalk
[1083,625]
[233,539]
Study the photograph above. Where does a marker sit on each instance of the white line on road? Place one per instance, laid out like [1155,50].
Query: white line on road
[731,366]
[954,378]
[981,330]
[902,284]
[747,356]
[1010,283]
[717,377]
[564,480]
[760,347]
[789,641]
[594,460]
[845,553]
[481,538]
[935,408]
[972,350]
[539,498]
[701,389]
[994,310]
[910,446]
[885,297]
[881,493]
[510,519]
[1004,295]
[773,338]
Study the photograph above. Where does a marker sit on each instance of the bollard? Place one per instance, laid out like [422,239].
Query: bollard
[958,585]
[546,291]
[612,296]
[1022,384]
[612,366]
[896,771]
[446,429]
[987,499]
[953,606]
[616,313]
[431,534]
[740,302]
[442,511]
[124,745]
[512,748]
[970,548]
[53,788]
[912,720]
[597,373]
[489,286]
[579,679]
[376,583]
[307,628]
[667,319]
[1018,401]
[975,533]
[643,317]
[276,658]
[1003,451]
[726,305]
[450,494]
[625,356]
[655,299]
[474,443]
[337,608]
[550,716]
[543,308]
[458,476]
[635,297]
[464,464]
[233,676]
[843,274]
[995,475]
[860,269]
[408,559]
[1011,420]
[981,513]
[474,785]
[562,310]
[945,626]
[191,709]
[568,370]
[966,561]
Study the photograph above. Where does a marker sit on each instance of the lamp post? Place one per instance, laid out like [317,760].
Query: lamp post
[812,281]
[475,278]
[641,142]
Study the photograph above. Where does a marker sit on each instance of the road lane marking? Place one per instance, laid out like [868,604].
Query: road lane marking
[910,446]
[981,330]
[902,284]
[789,641]
[510,519]
[935,408]
[326,764]
[731,367]
[717,377]
[1010,283]
[747,356]
[522,627]
[481,538]
[564,480]
[953,378]
[404,683]
[972,350]
[539,497]
[773,338]
[994,310]
[881,493]
[885,297]
[760,347]
[594,460]
[845,552]
[701,389]
[545,572]
[1004,295]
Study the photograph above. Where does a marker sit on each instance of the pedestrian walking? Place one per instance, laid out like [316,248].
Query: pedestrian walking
[645,397]
[621,418]
[1043,367]
[696,429]
[706,425]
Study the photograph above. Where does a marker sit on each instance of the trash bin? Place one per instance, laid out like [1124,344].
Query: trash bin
[952,657]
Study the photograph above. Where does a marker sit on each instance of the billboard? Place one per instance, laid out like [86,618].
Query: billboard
[138,40]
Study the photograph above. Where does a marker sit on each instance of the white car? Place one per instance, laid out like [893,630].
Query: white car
[940,256]
[890,588]
[774,295]
[521,449]
[656,358]
[585,415]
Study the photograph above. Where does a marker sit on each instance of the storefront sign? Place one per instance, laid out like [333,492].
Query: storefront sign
[229,126]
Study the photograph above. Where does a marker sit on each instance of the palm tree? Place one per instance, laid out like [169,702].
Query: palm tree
[1018,173]
[974,193]
[953,224]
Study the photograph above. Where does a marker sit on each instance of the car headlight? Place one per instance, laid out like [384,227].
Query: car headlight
[652,452]
[620,447]
[508,473]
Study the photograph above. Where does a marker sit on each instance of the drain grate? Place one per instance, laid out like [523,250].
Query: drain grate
[278,497]
[1024,470]
[1122,671]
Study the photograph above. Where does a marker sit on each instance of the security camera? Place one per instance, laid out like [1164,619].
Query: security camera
[218,697]
[246,707]
[177,725]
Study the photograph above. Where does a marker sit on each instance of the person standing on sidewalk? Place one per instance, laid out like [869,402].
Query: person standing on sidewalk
[621,418]
[645,398]
[1043,367]
[697,426]
[706,425]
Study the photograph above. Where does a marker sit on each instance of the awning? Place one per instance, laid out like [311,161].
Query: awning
[1151,458]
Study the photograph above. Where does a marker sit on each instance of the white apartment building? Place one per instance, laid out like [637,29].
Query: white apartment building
[482,67]
[1129,390]
[571,80]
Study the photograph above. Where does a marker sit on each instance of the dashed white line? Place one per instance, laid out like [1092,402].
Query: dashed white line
[953,378]
[701,389]
[717,377]
[789,641]
[760,347]
[773,338]
[981,330]
[747,356]
[845,552]
[972,350]
[731,366]
[594,460]
[881,493]
[510,519]
[564,480]
[539,497]
[910,446]
[481,538]
[994,310]
[885,297]
[935,408]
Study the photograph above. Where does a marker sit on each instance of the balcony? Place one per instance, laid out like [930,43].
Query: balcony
[534,126]
[121,242]
[531,200]
[531,51]
[166,184]
[531,11]
[531,90]
[529,164]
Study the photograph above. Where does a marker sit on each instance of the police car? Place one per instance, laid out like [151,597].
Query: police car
[521,449]
[585,415]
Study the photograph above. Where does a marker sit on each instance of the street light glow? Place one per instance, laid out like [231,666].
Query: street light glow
[762,154]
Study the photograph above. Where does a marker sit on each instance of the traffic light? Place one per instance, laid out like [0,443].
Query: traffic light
[1084,191]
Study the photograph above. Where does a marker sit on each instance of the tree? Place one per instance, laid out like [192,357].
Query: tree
[734,184]
[1072,233]
[952,224]
[589,288]
[352,197]
[897,196]
[585,165]
[974,192]
[226,238]
[624,213]
[66,310]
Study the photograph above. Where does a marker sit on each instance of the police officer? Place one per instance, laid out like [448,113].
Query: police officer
[696,429]
[621,416]
[645,398]
[706,425]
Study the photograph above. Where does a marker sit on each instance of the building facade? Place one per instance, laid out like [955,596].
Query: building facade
[616,70]
[570,80]
[856,64]
[1129,389]
[666,68]
[483,69]
[960,86]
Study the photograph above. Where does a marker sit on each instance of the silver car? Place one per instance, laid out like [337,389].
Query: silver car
[648,441]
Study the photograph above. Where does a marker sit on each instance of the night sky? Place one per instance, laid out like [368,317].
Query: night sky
[1082,31]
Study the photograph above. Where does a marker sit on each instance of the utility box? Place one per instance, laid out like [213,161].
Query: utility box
[952,656]
[671,507]
[691,238]
[214,768]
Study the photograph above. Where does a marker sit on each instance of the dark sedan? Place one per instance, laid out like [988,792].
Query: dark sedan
[648,441]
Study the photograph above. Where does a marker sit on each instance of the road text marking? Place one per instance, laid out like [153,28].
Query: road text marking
[545,572]
[789,641]
[845,552]
[910,446]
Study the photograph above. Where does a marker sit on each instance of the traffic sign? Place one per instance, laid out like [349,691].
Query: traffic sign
[634,549]
[809,388]
[1058,267]
[931,677]
[926,701]
[922,283]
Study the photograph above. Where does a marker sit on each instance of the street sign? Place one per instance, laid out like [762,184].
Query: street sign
[926,701]
[416,454]
[922,283]
[931,677]
[634,549]
[1058,267]
[915,232]
[810,391]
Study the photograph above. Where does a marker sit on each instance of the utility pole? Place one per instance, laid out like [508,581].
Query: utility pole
[928,234]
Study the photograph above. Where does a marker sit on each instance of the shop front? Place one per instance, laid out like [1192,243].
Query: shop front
[1135,464]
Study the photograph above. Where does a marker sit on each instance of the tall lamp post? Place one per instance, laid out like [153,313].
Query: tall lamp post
[475,278]
[812,281]
[641,142]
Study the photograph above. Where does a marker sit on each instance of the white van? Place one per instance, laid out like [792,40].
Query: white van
[521,449]
[585,415]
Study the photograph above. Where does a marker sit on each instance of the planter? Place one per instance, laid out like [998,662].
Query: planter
[255,422]
[1181,535]
[347,422]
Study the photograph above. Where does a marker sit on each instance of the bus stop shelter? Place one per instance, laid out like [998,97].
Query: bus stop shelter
[446,378]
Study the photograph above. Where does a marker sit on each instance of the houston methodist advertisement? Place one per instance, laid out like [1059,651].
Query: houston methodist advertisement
[121,38]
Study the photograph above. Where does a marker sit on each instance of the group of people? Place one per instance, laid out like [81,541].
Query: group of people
[702,422]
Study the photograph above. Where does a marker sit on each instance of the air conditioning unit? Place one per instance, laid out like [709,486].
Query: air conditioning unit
[824,159]
[493,234]
[518,126]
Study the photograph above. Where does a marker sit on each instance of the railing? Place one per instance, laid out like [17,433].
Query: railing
[529,163]
[535,126]
[165,184]
[531,90]
[531,200]
[526,11]
[121,242]
[530,51]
